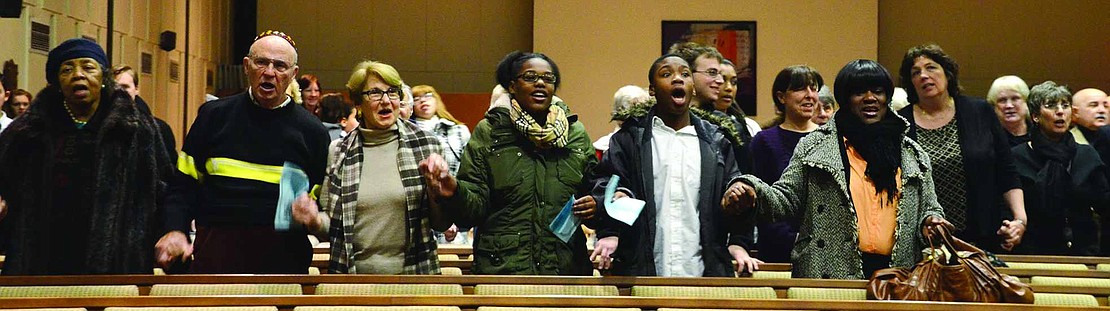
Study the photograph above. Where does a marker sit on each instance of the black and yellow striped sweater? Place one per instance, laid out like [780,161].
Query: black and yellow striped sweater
[231,160]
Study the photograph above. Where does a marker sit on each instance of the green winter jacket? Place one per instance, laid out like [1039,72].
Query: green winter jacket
[510,191]
[813,189]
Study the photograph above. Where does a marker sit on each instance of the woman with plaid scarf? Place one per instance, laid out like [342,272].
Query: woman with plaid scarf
[524,163]
[373,205]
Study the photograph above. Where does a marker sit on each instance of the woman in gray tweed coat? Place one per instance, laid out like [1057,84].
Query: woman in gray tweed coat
[862,190]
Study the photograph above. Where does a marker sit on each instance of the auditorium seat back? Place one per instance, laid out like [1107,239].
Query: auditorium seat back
[389,289]
[70,291]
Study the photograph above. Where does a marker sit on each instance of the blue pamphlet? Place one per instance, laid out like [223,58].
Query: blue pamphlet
[565,223]
[624,209]
[294,183]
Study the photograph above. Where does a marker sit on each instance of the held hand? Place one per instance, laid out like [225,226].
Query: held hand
[933,221]
[602,252]
[1011,232]
[738,197]
[744,261]
[172,247]
[585,207]
[438,176]
[305,211]
[3,208]
[451,233]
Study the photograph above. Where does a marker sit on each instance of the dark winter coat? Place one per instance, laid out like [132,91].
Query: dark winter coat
[630,157]
[124,222]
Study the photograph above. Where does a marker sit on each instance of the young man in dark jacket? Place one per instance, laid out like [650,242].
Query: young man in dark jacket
[680,166]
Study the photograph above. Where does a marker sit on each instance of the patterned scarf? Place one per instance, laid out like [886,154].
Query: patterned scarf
[554,134]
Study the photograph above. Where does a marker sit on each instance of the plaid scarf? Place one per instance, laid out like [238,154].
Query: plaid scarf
[554,134]
[340,195]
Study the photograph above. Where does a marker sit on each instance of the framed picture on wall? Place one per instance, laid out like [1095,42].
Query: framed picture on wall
[734,39]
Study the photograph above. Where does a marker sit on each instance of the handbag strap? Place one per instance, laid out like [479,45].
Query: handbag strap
[948,242]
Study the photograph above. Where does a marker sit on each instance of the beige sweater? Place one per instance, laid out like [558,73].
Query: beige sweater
[379,236]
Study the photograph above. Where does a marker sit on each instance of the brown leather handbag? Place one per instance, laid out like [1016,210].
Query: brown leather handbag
[964,276]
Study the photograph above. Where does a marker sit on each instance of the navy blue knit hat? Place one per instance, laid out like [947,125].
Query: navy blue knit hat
[70,49]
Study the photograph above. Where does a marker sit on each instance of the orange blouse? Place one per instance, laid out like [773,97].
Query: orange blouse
[876,216]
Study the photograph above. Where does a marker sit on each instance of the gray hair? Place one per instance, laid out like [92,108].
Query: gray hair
[627,96]
[1047,93]
[407,99]
[825,95]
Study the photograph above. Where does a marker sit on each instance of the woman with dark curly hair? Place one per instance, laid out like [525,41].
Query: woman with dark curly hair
[970,151]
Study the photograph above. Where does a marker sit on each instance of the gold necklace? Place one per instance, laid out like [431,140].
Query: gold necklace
[80,124]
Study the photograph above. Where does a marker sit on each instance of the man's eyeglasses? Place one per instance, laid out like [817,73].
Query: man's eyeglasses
[711,72]
[532,77]
[376,94]
[262,63]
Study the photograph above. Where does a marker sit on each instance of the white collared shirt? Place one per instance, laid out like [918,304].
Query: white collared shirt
[676,161]
[4,121]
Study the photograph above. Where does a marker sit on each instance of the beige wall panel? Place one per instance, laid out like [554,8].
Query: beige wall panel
[338,36]
[454,35]
[141,18]
[66,29]
[15,38]
[506,27]
[598,52]
[1065,41]
[98,12]
[428,41]
[392,38]
[178,25]
[79,9]
[124,16]
[57,6]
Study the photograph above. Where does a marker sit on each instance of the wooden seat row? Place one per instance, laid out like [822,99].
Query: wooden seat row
[288,302]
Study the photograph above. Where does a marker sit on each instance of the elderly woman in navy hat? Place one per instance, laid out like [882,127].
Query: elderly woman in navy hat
[81,174]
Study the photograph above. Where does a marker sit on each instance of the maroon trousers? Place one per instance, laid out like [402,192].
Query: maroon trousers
[250,250]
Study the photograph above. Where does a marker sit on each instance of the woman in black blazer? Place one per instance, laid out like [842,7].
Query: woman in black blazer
[973,169]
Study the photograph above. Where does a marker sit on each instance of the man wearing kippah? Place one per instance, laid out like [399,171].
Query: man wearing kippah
[230,167]
[81,174]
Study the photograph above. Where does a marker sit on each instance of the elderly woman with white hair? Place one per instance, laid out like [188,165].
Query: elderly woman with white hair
[1007,95]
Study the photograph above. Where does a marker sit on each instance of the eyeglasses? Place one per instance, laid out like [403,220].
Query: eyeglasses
[278,34]
[711,72]
[1057,106]
[376,94]
[532,77]
[261,63]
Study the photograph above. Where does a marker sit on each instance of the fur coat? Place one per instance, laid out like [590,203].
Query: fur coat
[130,165]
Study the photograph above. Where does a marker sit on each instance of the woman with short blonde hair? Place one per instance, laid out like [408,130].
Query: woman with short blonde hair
[373,205]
